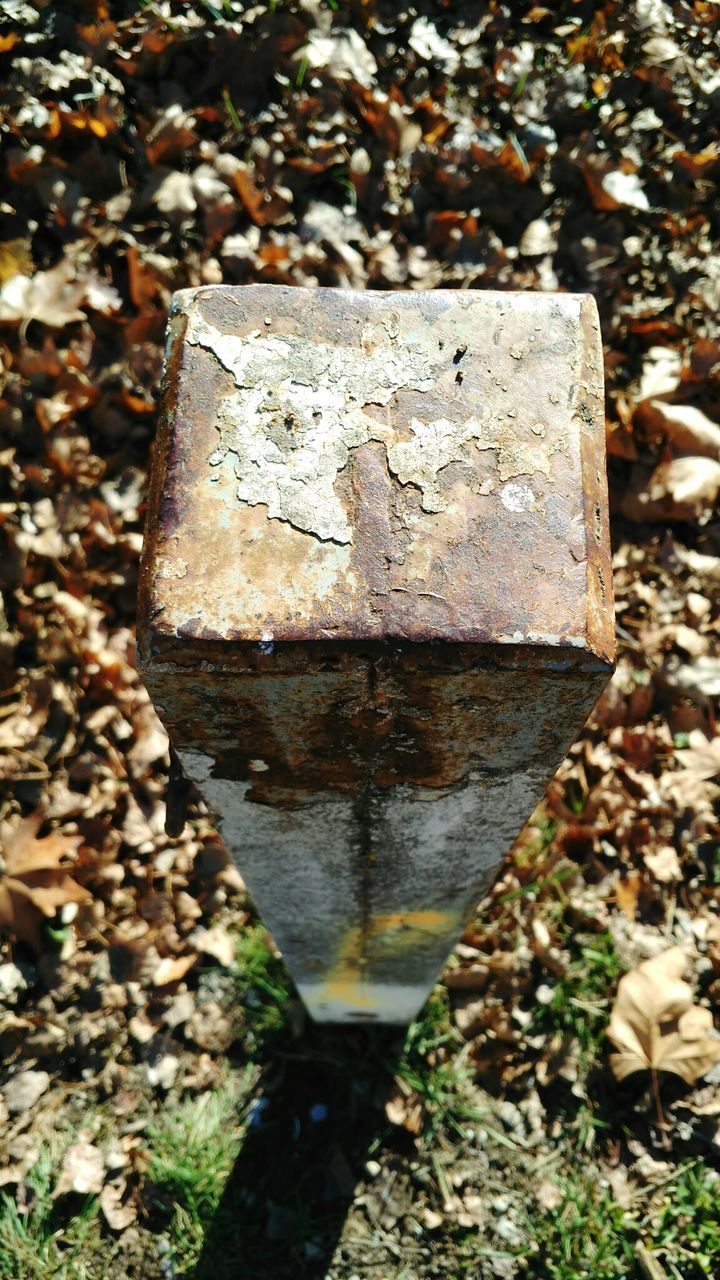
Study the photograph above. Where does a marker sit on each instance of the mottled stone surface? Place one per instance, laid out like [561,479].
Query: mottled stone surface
[375,602]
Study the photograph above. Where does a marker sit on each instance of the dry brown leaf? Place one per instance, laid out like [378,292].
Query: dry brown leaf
[23,853]
[655,1025]
[660,372]
[686,427]
[702,756]
[707,568]
[663,864]
[684,489]
[35,883]
[405,1110]
[688,483]
[613,188]
[698,679]
[23,1090]
[172,969]
[548,1195]
[215,942]
[687,790]
[55,297]
[627,893]
[537,239]
[175,196]
[117,1215]
[687,638]
[15,259]
[82,1170]
[172,134]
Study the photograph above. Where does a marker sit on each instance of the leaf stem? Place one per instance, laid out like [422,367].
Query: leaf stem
[658,1104]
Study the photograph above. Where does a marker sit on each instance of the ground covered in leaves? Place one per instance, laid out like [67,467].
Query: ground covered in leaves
[166,1111]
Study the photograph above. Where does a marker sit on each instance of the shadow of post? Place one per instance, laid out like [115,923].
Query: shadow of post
[309,1135]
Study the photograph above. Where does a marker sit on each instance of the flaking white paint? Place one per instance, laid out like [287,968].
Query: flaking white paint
[300,407]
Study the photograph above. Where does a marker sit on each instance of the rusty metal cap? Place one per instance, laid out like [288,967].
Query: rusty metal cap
[368,466]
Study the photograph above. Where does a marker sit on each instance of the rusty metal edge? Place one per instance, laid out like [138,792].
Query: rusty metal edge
[600,624]
[148,610]
[160,655]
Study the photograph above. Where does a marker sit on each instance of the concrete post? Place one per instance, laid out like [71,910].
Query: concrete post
[376,602]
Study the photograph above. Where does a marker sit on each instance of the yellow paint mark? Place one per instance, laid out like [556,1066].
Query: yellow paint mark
[385,936]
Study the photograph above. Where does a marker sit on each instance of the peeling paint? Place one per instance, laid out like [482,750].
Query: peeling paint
[434,445]
[299,408]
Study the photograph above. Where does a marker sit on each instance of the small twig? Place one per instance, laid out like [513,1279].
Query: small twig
[648,1264]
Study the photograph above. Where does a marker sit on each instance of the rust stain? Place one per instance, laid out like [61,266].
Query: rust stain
[363,715]
[365,947]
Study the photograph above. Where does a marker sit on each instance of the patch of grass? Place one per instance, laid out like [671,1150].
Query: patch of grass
[432,1030]
[589,1236]
[263,987]
[231,110]
[582,995]
[193,1150]
[584,1238]
[41,1243]
[433,1065]
[685,1229]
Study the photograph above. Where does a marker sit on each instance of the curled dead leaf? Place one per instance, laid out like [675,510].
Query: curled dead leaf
[663,864]
[405,1109]
[118,1215]
[172,969]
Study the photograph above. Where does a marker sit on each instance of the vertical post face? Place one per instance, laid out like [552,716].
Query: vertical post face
[375,604]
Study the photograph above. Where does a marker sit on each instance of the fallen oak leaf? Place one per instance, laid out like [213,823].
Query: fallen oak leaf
[655,1025]
[24,854]
[684,489]
[36,882]
[686,484]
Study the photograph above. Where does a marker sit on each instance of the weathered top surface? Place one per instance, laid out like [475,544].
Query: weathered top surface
[359,466]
